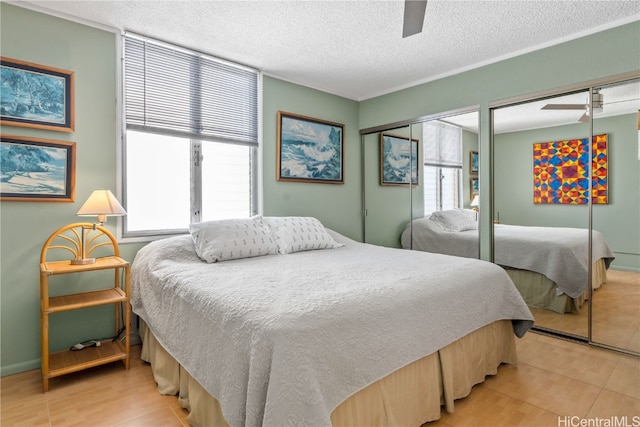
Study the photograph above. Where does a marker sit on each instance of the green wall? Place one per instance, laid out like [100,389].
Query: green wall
[337,206]
[91,54]
[618,220]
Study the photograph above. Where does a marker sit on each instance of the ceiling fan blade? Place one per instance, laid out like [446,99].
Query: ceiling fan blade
[413,17]
[564,107]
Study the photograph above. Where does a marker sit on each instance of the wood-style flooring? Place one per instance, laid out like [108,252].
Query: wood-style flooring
[615,311]
[554,378]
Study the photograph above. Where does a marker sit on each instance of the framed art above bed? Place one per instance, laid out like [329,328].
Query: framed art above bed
[309,150]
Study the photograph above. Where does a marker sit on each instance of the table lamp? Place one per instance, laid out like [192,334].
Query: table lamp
[475,202]
[101,203]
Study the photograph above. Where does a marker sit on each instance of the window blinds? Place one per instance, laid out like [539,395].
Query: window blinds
[442,144]
[178,92]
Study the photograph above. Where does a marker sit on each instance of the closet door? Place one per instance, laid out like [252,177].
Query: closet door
[615,318]
[541,209]
[448,172]
[388,167]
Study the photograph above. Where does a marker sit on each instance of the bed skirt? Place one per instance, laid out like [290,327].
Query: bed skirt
[409,396]
[539,291]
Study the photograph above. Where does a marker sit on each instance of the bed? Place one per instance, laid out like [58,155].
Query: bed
[547,264]
[337,333]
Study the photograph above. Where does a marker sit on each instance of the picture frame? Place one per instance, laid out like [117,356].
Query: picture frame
[309,150]
[36,96]
[474,186]
[36,169]
[474,165]
[396,160]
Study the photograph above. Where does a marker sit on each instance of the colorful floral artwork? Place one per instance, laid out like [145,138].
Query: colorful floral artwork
[560,171]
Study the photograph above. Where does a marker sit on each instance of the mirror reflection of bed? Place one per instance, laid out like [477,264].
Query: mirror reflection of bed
[548,265]
[555,235]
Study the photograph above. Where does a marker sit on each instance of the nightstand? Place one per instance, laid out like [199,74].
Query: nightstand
[95,239]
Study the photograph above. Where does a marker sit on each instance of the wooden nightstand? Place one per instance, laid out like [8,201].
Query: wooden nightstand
[70,239]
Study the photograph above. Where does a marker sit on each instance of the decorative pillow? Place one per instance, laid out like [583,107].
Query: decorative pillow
[299,233]
[454,220]
[232,239]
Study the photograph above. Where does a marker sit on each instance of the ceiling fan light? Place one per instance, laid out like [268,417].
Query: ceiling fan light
[597,100]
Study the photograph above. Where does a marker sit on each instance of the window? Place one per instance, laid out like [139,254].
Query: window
[442,166]
[191,138]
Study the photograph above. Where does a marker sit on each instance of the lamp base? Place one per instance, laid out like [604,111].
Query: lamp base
[83,261]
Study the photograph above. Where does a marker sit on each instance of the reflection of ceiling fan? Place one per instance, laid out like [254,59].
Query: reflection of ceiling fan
[598,104]
[413,17]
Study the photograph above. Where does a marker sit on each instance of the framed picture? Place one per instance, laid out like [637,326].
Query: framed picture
[398,160]
[561,171]
[473,162]
[37,170]
[475,188]
[309,150]
[36,96]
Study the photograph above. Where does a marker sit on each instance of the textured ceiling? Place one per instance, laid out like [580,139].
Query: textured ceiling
[354,48]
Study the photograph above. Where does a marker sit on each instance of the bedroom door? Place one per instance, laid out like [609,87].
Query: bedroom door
[615,318]
[541,217]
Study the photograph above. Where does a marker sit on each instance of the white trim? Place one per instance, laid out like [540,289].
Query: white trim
[119,133]
[260,168]
[531,49]
[38,8]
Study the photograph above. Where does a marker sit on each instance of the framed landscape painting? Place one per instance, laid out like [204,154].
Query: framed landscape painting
[474,187]
[36,96]
[37,170]
[398,160]
[473,162]
[309,150]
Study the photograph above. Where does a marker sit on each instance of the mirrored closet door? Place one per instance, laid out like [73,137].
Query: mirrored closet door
[615,311]
[541,215]
[388,167]
[567,210]
[428,165]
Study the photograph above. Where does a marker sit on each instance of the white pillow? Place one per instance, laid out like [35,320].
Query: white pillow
[232,239]
[299,233]
[454,220]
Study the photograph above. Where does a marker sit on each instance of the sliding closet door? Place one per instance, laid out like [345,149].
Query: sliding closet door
[448,176]
[540,158]
[388,168]
[616,215]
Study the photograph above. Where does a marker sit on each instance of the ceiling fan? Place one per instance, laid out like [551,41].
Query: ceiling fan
[598,106]
[413,17]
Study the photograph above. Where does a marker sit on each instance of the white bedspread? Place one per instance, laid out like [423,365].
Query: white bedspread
[284,339]
[557,252]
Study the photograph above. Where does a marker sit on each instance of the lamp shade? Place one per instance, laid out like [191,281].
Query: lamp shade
[102,203]
[475,201]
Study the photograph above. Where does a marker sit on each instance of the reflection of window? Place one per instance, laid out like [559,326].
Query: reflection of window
[442,166]
[191,138]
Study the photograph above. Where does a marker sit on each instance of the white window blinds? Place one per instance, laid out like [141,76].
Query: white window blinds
[442,144]
[195,96]
[442,166]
